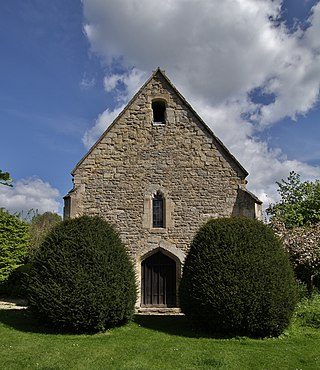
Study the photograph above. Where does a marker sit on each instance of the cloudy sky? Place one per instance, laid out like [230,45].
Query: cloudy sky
[250,68]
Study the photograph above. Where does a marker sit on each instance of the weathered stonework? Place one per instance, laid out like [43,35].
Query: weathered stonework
[181,158]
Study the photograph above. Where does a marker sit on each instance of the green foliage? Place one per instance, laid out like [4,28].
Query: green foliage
[15,285]
[296,219]
[5,178]
[308,312]
[303,246]
[302,290]
[299,204]
[237,279]
[14,243]
[39,228]
[82,278]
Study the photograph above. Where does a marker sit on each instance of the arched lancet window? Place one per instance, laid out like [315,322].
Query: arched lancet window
[158,210]
[159,111]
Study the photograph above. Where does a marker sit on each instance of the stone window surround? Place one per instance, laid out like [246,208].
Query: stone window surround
[158,210]
[169,113]
[156,105]
[147,210]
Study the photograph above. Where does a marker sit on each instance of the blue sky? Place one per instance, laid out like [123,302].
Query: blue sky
[250,68]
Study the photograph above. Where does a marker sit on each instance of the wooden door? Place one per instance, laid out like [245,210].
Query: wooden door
[158,281]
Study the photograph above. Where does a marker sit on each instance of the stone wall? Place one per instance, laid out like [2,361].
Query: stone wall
[135,158]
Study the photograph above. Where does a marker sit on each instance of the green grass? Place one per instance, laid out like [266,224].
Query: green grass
[153,342]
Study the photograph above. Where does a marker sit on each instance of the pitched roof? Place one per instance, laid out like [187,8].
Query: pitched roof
[254,197]
[160,72]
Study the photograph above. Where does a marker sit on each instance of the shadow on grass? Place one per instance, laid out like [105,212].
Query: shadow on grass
[23,320]
[174,325]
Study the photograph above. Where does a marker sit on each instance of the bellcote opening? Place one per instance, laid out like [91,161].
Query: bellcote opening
[159,112]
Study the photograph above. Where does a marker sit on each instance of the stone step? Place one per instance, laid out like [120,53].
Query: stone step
[12,303]
[159,311]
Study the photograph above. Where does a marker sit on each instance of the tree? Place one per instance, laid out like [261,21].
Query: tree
[5,178]
[296,219]
[299,204]
[14,243]
[303,246]
[40,226]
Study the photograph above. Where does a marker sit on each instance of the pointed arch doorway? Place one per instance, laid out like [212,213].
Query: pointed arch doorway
[158,281]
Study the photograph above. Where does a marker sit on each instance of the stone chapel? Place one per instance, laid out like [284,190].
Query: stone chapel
[157,174]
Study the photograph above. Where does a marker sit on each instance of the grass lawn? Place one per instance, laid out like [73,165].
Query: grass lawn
[150,342]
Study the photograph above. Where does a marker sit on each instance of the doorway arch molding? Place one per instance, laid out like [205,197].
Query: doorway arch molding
[177,255]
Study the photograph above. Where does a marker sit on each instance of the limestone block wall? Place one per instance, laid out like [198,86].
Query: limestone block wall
[135,158]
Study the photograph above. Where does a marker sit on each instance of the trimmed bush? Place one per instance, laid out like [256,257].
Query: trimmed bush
[237,279]
[82,278]
[15,285]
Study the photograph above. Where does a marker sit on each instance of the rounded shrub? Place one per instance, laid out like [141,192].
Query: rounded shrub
[237,279]
[82,278]
[15,286]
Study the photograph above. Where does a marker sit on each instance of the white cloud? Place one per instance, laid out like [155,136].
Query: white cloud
[215,50]
[265,165]
[102,122]
[311,35]
[125,85]
[32,193]
[87,82]
[216,53]
[111,82]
